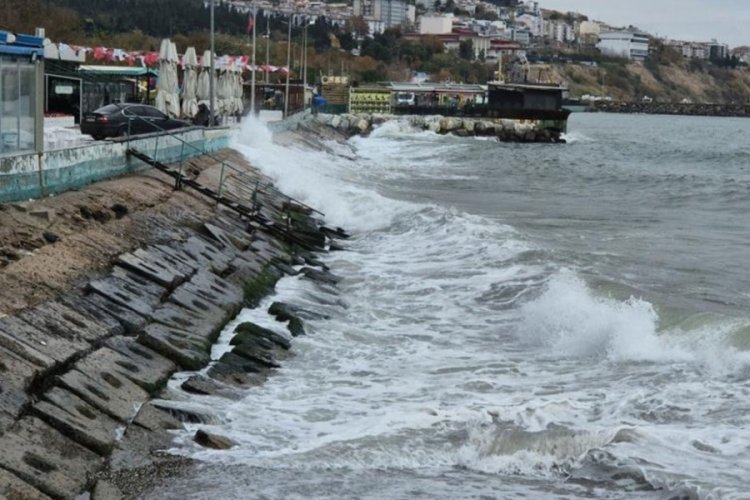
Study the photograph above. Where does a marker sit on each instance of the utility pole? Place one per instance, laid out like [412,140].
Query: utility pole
[304,69]
[212,90]
[288,66]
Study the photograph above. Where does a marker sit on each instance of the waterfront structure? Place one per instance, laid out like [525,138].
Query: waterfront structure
[21,92]
[628,44]
[435,25]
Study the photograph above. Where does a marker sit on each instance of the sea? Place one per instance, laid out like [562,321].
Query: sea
[512,321]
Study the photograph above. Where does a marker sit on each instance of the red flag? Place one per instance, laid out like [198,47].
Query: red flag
[250,23]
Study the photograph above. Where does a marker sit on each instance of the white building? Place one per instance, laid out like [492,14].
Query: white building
[560,31]
[384,14]
[521,35]
[625,44]
[435,25]
[533,22]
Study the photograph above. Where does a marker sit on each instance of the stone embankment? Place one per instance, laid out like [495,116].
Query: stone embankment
[81,364]
[504,130]
[666,108]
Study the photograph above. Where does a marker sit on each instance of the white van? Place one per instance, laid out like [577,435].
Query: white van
[405,99]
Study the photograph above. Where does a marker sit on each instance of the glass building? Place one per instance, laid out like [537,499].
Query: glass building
[21,113]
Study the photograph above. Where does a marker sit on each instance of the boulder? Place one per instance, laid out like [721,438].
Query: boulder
[214,441]
[320,276]
[249,333]
[285,312]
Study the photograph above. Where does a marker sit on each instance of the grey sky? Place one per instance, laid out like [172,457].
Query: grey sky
[726,20]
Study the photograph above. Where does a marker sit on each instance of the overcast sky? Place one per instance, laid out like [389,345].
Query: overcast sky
[701,20]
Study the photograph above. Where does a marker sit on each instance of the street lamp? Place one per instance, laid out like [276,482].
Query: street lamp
[212,90]
[252,79]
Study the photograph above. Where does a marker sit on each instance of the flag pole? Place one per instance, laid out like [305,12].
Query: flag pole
[212,90]
[268,44]
[252,68]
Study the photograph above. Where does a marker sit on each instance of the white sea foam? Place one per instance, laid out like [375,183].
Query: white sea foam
[316,178]
[571,320]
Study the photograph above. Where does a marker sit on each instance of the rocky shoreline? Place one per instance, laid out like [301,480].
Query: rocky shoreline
[81,368]
[666,108]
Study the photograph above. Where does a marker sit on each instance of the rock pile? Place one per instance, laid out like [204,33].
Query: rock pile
[504,130]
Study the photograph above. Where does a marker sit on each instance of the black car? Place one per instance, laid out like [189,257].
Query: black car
[116,120]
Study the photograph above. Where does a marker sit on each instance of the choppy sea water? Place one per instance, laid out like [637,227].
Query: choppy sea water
[539,321]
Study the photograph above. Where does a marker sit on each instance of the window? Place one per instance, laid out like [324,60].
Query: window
[154,113]
[17,104]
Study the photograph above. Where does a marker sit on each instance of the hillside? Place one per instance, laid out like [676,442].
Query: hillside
[663,83]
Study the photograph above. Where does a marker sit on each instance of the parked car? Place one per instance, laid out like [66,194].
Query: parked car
[112,121]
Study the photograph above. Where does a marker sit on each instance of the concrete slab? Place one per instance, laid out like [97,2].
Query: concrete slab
[42,348]
[140,364]
[176,344]
[219,235]
[206,290]
[16,375]
[109,322]
[154,291]
[101,386]
[153,266]
[78,420]
[13,488]
[131,321]
[154,419]
[47,460]
[125,294]
[208,255]
[56,317]
[175,258]
[236,229]
[201,328]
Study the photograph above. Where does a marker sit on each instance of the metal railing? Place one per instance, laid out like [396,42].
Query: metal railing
[235,184]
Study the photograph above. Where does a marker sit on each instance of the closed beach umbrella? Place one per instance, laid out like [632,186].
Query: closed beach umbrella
[190,83]
[204,80]
[167,97]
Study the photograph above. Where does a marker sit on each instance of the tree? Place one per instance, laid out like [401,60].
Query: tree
[466,50]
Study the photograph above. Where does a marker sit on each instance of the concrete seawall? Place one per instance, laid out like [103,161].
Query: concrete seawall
[27,176]
[79,370]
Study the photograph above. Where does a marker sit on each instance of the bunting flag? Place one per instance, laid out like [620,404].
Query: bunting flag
[105,55]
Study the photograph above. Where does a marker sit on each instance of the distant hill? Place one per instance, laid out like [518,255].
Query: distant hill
[159,18]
